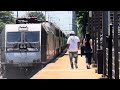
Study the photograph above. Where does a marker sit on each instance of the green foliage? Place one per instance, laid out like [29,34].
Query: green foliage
[82,19]
[37,14]
[2,25]
[6,17]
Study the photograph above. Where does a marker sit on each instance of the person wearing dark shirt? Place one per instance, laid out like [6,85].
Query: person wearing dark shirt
[87,43]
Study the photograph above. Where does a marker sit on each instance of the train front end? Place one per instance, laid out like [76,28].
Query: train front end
[22,45]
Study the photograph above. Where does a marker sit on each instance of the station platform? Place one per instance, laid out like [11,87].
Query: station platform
[61,69]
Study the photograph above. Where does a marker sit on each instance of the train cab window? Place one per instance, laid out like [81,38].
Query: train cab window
[32,36]
[13,37]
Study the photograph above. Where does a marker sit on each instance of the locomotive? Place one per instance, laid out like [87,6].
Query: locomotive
[30,43]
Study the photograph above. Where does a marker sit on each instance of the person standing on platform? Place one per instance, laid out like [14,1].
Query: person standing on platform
[73,44]
[87,43]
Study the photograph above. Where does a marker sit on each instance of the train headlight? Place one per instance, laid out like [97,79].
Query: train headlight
[34,61]
[38,60]
[10,61]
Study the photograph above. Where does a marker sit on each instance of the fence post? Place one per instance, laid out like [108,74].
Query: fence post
[100,61]
[105,27]
[116,45]
[110,54]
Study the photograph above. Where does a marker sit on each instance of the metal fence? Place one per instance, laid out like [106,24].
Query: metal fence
[111,58]
[110,45]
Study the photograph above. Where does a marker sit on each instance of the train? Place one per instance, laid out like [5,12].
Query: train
[30,43]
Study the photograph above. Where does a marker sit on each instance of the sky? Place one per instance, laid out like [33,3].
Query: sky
[63,19]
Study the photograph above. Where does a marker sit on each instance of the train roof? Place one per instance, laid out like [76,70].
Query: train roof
[17,27]
[28,20]
[50,26]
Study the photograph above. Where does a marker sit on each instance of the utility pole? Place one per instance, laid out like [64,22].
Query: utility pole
[74,26]
[17,14]
[45,15]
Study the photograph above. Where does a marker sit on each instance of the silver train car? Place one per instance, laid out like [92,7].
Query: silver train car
[30,44]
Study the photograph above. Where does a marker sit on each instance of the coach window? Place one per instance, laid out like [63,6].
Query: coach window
[32,36]
[13,37]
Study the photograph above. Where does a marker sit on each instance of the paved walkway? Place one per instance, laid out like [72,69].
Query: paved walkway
[61,70]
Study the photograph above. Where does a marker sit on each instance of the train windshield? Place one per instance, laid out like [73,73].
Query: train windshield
[23,41]
[32,36]
[13,37]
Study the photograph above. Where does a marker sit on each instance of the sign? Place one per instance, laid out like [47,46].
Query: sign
[23,28]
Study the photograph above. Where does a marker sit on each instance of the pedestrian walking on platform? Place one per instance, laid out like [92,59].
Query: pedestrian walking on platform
[73,44]
[87,42]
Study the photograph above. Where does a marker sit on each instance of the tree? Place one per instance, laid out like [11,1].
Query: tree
[2,25]
[37,14]
[6,17]
[82,20]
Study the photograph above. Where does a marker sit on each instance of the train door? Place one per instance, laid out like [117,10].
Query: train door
[59,42]
[54,45]
[44,45]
